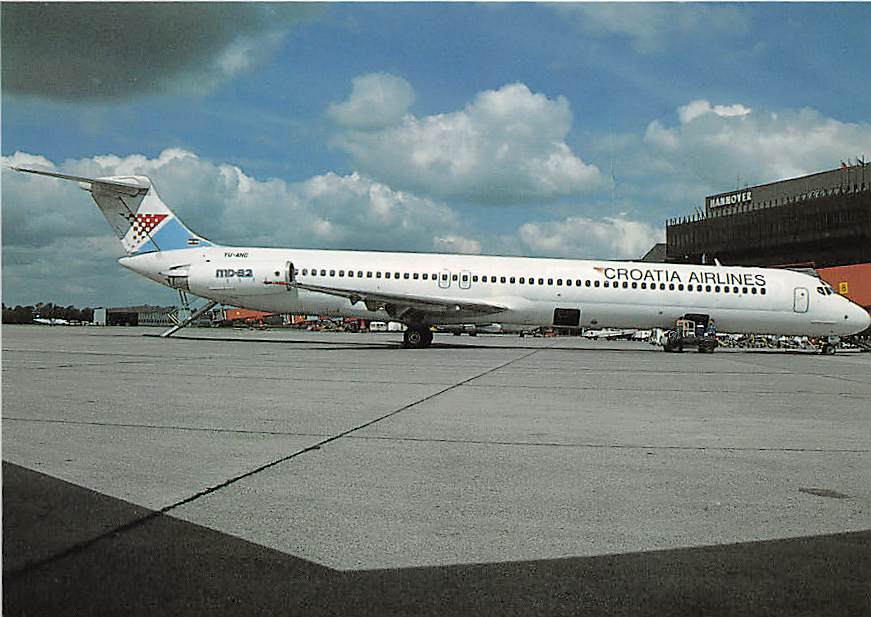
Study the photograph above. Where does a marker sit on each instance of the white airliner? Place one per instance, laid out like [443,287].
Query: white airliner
[421,290]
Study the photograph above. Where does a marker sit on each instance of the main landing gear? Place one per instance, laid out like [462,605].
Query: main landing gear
[417,336]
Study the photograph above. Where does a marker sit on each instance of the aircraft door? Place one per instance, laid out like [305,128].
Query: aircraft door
[801,301]
[567,317]
[465,279]
[289,274]
[445,279]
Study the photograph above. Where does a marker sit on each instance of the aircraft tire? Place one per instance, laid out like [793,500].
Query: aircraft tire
[417,336]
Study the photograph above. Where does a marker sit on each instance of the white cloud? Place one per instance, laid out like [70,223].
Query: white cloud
[693,110]
[57,246]
[717,143]
[507,146]
[377,100]
[456,244]
[610,237]
[653,27]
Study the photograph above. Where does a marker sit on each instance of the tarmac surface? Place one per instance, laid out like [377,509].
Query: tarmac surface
[279,472]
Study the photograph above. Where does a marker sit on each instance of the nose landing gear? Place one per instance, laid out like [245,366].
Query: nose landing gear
[830,345]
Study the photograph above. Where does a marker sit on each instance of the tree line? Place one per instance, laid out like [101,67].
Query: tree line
[26,314]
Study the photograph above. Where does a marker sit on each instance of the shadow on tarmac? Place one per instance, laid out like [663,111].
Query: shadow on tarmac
[147,564]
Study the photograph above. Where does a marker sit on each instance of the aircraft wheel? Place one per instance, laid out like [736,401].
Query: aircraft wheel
[417,336]
[829,350]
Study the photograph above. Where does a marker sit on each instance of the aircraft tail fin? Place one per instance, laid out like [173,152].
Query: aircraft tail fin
[132,207]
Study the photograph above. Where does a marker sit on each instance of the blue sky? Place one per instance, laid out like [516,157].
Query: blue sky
[536,129]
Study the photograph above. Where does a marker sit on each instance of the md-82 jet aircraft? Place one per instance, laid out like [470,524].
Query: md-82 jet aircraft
[422,290]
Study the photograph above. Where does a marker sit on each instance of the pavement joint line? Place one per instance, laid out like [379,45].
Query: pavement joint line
[163,427]
[81,546]
[835,377]
[332,366]
[480,442]
[82,364]
[484,385]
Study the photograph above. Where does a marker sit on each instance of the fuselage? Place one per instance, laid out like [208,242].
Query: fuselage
[613,294]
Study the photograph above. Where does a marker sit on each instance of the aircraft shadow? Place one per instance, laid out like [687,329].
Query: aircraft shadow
[145,563]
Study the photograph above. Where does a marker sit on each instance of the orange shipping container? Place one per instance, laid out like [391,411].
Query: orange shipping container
[854,282]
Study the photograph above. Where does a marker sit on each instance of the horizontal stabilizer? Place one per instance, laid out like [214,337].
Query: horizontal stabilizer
[128,186]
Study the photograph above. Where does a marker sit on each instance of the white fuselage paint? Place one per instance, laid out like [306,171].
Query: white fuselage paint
[213,273]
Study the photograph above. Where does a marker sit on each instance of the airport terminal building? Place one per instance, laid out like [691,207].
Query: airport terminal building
[822,220]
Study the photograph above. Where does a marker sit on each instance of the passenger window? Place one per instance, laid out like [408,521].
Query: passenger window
[541,281]
[587,283]
[559,282]
[725,290]
[406,276]
[453,277]
[643,285]
[568,282]
[717,288]
[680,287]
[596,284]
[415,276]
[671,286]
[606,284]
[634,285]
[578,283]
[332,273]
[444,277]
[396,275]
[743,290]
[753,290]
[492,279]
[550,281]
[707,288]
[735,289]
[341,273]
[387,275]
[465,278]
[359,274]
[378,274]
[501,279]
[369,274]
[351,273]
[662,286]
[323,272]
[522,280]
[762,291]
[625,285]
[425,276]
[531,281]
[511,280]
[474,278]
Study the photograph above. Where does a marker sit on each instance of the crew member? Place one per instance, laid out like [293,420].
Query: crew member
[712,328]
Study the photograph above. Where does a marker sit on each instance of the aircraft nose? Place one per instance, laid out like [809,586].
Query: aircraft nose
[861,320]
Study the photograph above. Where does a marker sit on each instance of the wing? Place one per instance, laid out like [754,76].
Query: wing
[407,306]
